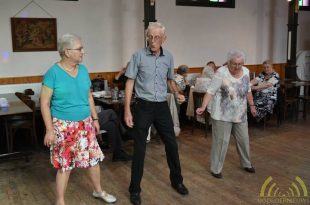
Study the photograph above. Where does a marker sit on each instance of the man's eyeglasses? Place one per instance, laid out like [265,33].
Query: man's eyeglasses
[155,38]
[76,49]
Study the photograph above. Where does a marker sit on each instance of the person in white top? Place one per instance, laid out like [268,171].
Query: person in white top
[230,91]
[209,70]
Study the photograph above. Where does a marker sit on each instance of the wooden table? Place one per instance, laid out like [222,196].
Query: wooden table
[118,106]
[303,91]
[16,107]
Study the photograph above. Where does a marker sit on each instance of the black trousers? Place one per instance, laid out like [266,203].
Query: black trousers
[158,113]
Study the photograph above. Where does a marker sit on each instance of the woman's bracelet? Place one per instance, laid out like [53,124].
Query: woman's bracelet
[94,119]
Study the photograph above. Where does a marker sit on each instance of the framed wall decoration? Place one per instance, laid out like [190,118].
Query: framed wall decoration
[34,34]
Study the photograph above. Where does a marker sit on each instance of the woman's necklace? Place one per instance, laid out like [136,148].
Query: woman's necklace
[67,69]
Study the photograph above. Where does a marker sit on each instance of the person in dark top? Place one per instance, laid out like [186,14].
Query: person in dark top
[120,78]
[110,122]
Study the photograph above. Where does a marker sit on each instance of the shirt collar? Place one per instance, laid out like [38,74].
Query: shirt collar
[149,52]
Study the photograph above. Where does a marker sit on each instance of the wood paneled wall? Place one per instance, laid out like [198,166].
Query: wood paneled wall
[279,68]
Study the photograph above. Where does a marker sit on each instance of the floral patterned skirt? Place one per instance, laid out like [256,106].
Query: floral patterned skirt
[76,145]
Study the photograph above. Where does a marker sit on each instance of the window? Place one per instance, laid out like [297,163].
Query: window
[207,3]
[304,5]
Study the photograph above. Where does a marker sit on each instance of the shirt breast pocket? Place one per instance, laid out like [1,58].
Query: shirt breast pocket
[163,70]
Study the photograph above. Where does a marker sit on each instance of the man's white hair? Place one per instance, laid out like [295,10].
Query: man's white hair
[153,25]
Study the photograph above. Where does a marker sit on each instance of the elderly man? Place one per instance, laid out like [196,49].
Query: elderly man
[230,90]
[150,72]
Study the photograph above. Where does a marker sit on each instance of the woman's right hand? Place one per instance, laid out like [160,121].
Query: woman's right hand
[49,138]
[200,110]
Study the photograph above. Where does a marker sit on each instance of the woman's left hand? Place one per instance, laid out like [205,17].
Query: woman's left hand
[253,110]
[97,126]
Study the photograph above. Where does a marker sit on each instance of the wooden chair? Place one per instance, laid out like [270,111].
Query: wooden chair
[290,100]
[29,91]
[305,98]
[22,96]
[278,109]
[27,122]
[198,98]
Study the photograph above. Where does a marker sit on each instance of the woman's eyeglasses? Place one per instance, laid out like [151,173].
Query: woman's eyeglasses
[76,49]
[236,65]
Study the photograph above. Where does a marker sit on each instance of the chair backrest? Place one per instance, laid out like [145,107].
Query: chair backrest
[289,91]
[29,91]
[22,96]
[279,106]
[252,75]
[198,98]
[32,105]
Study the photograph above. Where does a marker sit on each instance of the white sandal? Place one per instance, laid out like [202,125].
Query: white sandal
[108,198]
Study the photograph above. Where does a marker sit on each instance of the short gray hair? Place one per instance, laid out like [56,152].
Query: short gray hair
[235,53]
[66,42]
[153,25]
[182,69]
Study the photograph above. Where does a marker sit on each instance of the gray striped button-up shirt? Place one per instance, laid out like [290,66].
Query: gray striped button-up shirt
[151,73]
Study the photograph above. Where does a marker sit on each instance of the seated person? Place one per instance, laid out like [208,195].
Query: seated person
[97,84]
[120,78]
[203,82]
[110,122]
[180,78]
[209,70]
[183,88]
[265,86]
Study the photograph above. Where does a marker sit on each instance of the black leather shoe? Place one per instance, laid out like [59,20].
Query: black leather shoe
[180,188]
[122,156]
[250,170]
[135,198]
[219,175]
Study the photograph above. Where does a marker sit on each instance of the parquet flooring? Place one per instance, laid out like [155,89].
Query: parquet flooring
[282,153]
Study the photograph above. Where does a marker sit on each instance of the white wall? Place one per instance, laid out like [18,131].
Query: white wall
[200,34]
[303,33]
[113,29]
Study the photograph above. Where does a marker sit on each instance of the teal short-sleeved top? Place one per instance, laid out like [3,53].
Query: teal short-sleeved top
[69,100]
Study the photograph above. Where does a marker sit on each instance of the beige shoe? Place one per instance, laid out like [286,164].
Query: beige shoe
[108,198]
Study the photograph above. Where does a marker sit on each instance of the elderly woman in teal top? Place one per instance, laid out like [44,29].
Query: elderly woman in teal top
[230,91]
[70,119]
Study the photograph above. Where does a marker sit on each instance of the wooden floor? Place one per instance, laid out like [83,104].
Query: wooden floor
[282,153]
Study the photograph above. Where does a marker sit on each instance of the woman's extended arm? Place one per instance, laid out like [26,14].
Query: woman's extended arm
[93,112]
[251,103]
[45,101]
[205,102]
